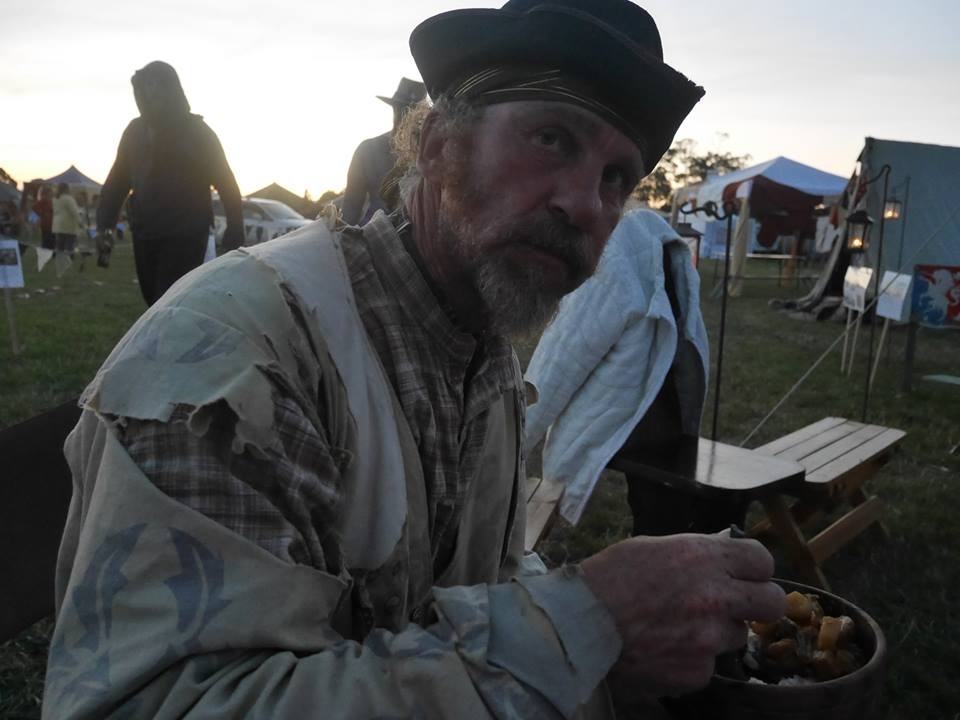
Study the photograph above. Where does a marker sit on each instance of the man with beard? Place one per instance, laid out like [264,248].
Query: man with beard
[169,158]
[314,505]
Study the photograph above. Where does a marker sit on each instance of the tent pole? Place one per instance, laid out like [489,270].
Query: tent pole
[846,338]
[876,293]
[903,225]
[853,347]
[909,354]
[728,210]
[883,336]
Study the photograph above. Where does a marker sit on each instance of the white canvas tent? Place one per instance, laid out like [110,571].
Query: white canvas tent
[925,179]
[782,171]
[775,199]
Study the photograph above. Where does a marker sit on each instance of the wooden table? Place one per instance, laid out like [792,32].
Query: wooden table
[707,467]
[701,467]
[839,456]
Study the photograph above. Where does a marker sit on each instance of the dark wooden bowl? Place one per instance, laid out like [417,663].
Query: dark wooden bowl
[856,696]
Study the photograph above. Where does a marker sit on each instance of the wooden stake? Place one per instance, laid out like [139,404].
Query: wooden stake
[846,338]
[8,301]
[876,362]
[853,349]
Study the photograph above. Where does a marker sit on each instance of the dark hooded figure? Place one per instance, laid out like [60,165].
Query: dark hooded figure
[169,158]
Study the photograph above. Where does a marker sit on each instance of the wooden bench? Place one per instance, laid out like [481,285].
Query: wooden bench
[835,457]
[839,456]
[713,472]
[543,500]
[35,490]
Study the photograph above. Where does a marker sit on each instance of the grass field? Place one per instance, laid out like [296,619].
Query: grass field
[909,584]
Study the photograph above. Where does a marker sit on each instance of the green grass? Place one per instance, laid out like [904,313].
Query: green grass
[909,584]
[66,326]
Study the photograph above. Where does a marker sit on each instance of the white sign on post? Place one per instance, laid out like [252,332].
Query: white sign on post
[895,296]
[11,270]
[855,284]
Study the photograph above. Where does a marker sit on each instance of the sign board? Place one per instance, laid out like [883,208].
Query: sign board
[936,295]
[11,269]
[895,296]
[855,284]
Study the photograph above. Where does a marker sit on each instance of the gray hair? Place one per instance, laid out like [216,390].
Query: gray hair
[454,117]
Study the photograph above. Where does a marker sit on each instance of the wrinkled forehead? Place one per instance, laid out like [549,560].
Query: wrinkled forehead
[585,123]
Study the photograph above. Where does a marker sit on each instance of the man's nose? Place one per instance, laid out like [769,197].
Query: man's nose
[576,200]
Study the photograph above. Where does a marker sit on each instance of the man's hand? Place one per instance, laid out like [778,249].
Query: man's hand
[679,601]
[232,238]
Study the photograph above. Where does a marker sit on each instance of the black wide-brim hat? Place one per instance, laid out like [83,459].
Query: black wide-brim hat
[409,92]
[612,46]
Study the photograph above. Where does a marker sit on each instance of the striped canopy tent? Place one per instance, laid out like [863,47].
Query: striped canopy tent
[77,181]
[780,193]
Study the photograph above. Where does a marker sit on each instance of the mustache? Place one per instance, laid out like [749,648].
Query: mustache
[559,239]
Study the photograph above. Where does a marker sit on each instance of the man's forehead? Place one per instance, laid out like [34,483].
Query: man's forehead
[582,120]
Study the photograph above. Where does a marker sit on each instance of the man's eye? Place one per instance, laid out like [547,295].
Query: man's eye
[547,138]
[615,176]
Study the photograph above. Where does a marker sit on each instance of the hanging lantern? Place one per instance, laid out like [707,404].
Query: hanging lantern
[858,231]
[892,209]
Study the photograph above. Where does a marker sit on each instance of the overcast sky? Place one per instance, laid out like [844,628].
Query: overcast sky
[290,86]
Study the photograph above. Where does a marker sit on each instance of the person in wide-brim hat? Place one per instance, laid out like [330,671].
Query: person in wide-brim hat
[374,159]
[613,47]
[409,92]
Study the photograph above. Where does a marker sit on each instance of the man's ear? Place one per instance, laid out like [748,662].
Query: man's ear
[430,152]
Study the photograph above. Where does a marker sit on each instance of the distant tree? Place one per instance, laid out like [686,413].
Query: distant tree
[328,196]
[6,178]
[682,165]
[307,196]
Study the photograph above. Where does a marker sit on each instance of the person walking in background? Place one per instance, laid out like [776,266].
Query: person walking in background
[68,221]
[43,207]
[168,158]
[374,158]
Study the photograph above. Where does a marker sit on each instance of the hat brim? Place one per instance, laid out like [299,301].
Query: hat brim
[397,103]
[652,96]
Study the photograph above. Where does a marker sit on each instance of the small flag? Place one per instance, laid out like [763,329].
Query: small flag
[43,257]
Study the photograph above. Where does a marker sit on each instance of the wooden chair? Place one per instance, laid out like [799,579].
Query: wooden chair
[35,494]
[839,456]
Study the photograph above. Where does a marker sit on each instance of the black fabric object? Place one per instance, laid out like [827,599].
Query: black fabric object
[34,496]
[659,509]
[613,46]
[169,170]
[659,430]
[161,261]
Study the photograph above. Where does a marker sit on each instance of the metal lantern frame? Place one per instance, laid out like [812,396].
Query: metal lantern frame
[858,231]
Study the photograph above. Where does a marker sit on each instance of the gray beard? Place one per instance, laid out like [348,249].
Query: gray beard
[515,301]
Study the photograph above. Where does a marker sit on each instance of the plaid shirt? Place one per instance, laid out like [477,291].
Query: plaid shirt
[285,500]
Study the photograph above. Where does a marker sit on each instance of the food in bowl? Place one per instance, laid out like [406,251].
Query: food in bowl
[804,646]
